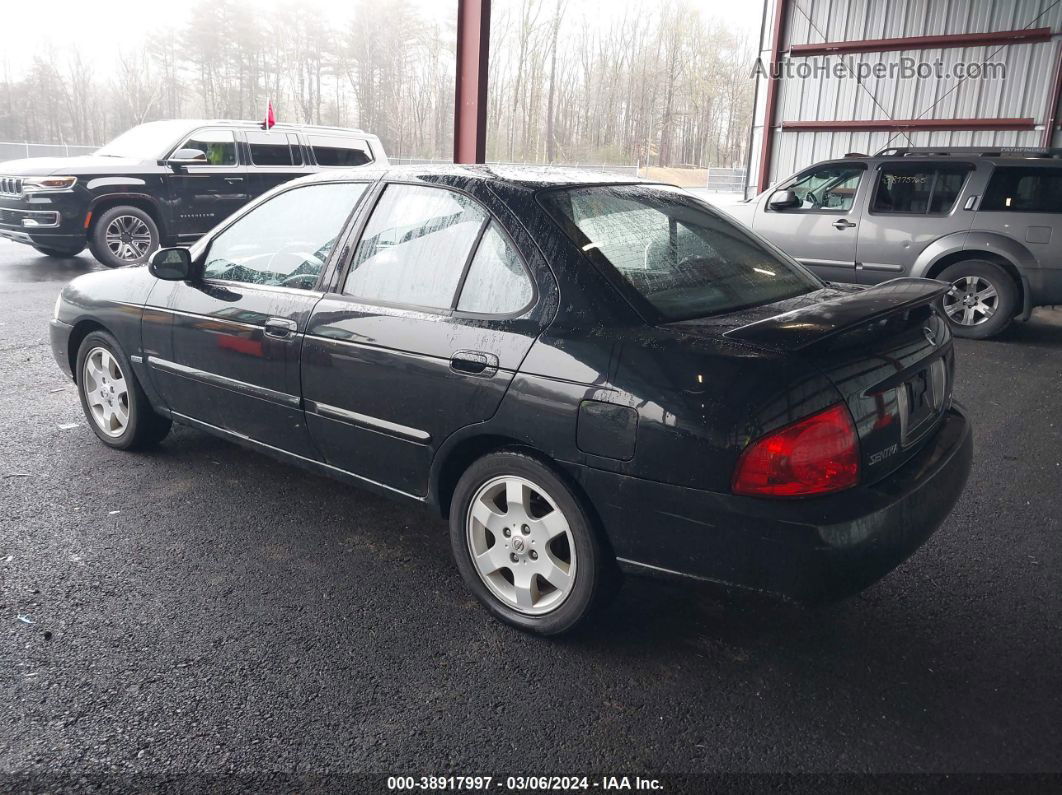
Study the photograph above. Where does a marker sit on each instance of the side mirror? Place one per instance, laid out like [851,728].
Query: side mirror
[172,265]
[783,200]
[187,157]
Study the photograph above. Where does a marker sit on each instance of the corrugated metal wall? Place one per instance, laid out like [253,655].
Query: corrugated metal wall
[1023,93]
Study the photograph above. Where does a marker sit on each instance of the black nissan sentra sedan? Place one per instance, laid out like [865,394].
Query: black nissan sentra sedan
[584,375]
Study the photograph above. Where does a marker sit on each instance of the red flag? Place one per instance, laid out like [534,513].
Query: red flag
[270,118]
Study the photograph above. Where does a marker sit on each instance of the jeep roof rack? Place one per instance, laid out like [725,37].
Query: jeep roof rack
[282,125]
[980,151]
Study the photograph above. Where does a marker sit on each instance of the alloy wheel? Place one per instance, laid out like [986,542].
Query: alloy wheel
[521,545]
[128,238]
[106,392]
[972,300]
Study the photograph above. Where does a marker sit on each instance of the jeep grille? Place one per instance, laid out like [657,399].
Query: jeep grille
[11,186]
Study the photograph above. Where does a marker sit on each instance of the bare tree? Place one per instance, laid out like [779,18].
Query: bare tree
[569,80]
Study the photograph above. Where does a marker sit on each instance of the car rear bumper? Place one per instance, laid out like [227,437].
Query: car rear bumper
[811,550]
[59,334]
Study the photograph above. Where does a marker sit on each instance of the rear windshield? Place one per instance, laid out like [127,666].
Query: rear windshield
[683,259]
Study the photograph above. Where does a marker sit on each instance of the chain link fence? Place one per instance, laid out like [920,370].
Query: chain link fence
[16,150]
[726,180]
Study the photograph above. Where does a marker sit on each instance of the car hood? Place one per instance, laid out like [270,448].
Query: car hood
[742,212]
[75,166]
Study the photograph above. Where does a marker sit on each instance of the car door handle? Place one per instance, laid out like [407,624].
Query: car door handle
[280,327]
[232,180]
[474,363]
[842,223]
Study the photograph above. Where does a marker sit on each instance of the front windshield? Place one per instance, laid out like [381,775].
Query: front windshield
[146,141]
[685,260]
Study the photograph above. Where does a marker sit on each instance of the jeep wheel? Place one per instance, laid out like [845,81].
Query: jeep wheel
[60,252]
[123,236]
[982,301]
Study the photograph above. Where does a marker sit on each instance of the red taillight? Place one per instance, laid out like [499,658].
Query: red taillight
[816,455]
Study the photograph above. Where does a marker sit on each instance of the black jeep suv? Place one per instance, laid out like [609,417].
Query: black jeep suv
[163,183]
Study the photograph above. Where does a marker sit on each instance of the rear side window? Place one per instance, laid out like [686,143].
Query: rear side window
[1024,190]
[331,151]
[415,247]
[684,260]
[274,149]
[918,188]
[497,283]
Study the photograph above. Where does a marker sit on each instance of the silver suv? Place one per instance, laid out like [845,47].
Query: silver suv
[989,222]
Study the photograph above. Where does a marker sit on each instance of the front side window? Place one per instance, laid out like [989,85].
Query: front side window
[415,247]
[333,151]
[285,241]
[1024,190]
[682,259]
[827,188]
[918,188]
[274,149]
[218,147]
[497,283]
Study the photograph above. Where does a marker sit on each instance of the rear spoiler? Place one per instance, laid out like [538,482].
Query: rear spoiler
[793,331]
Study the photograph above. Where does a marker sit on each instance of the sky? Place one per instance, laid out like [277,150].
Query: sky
[102,27]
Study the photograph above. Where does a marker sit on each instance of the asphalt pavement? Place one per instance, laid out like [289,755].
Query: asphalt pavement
[204,609]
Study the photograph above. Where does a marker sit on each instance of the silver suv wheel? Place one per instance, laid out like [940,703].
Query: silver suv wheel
[971,301]
[521,545]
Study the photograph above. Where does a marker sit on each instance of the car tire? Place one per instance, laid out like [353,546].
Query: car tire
[538,564]
[63,253]
[123,236]
[114,403]
[978,287]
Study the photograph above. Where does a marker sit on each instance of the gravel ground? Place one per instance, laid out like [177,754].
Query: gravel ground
[202,609]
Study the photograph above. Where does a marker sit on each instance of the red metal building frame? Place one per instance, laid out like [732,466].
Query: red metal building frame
[924,42]
[470,91]
[1051,116]
[891,125]
[780,16]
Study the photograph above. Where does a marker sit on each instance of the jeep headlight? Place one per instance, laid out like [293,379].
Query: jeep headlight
[47,184]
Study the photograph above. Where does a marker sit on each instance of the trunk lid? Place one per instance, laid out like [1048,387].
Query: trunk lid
[887,349]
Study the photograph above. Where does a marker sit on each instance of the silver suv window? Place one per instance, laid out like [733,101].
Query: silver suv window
[829,188]
[919,188]
[1024,190]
